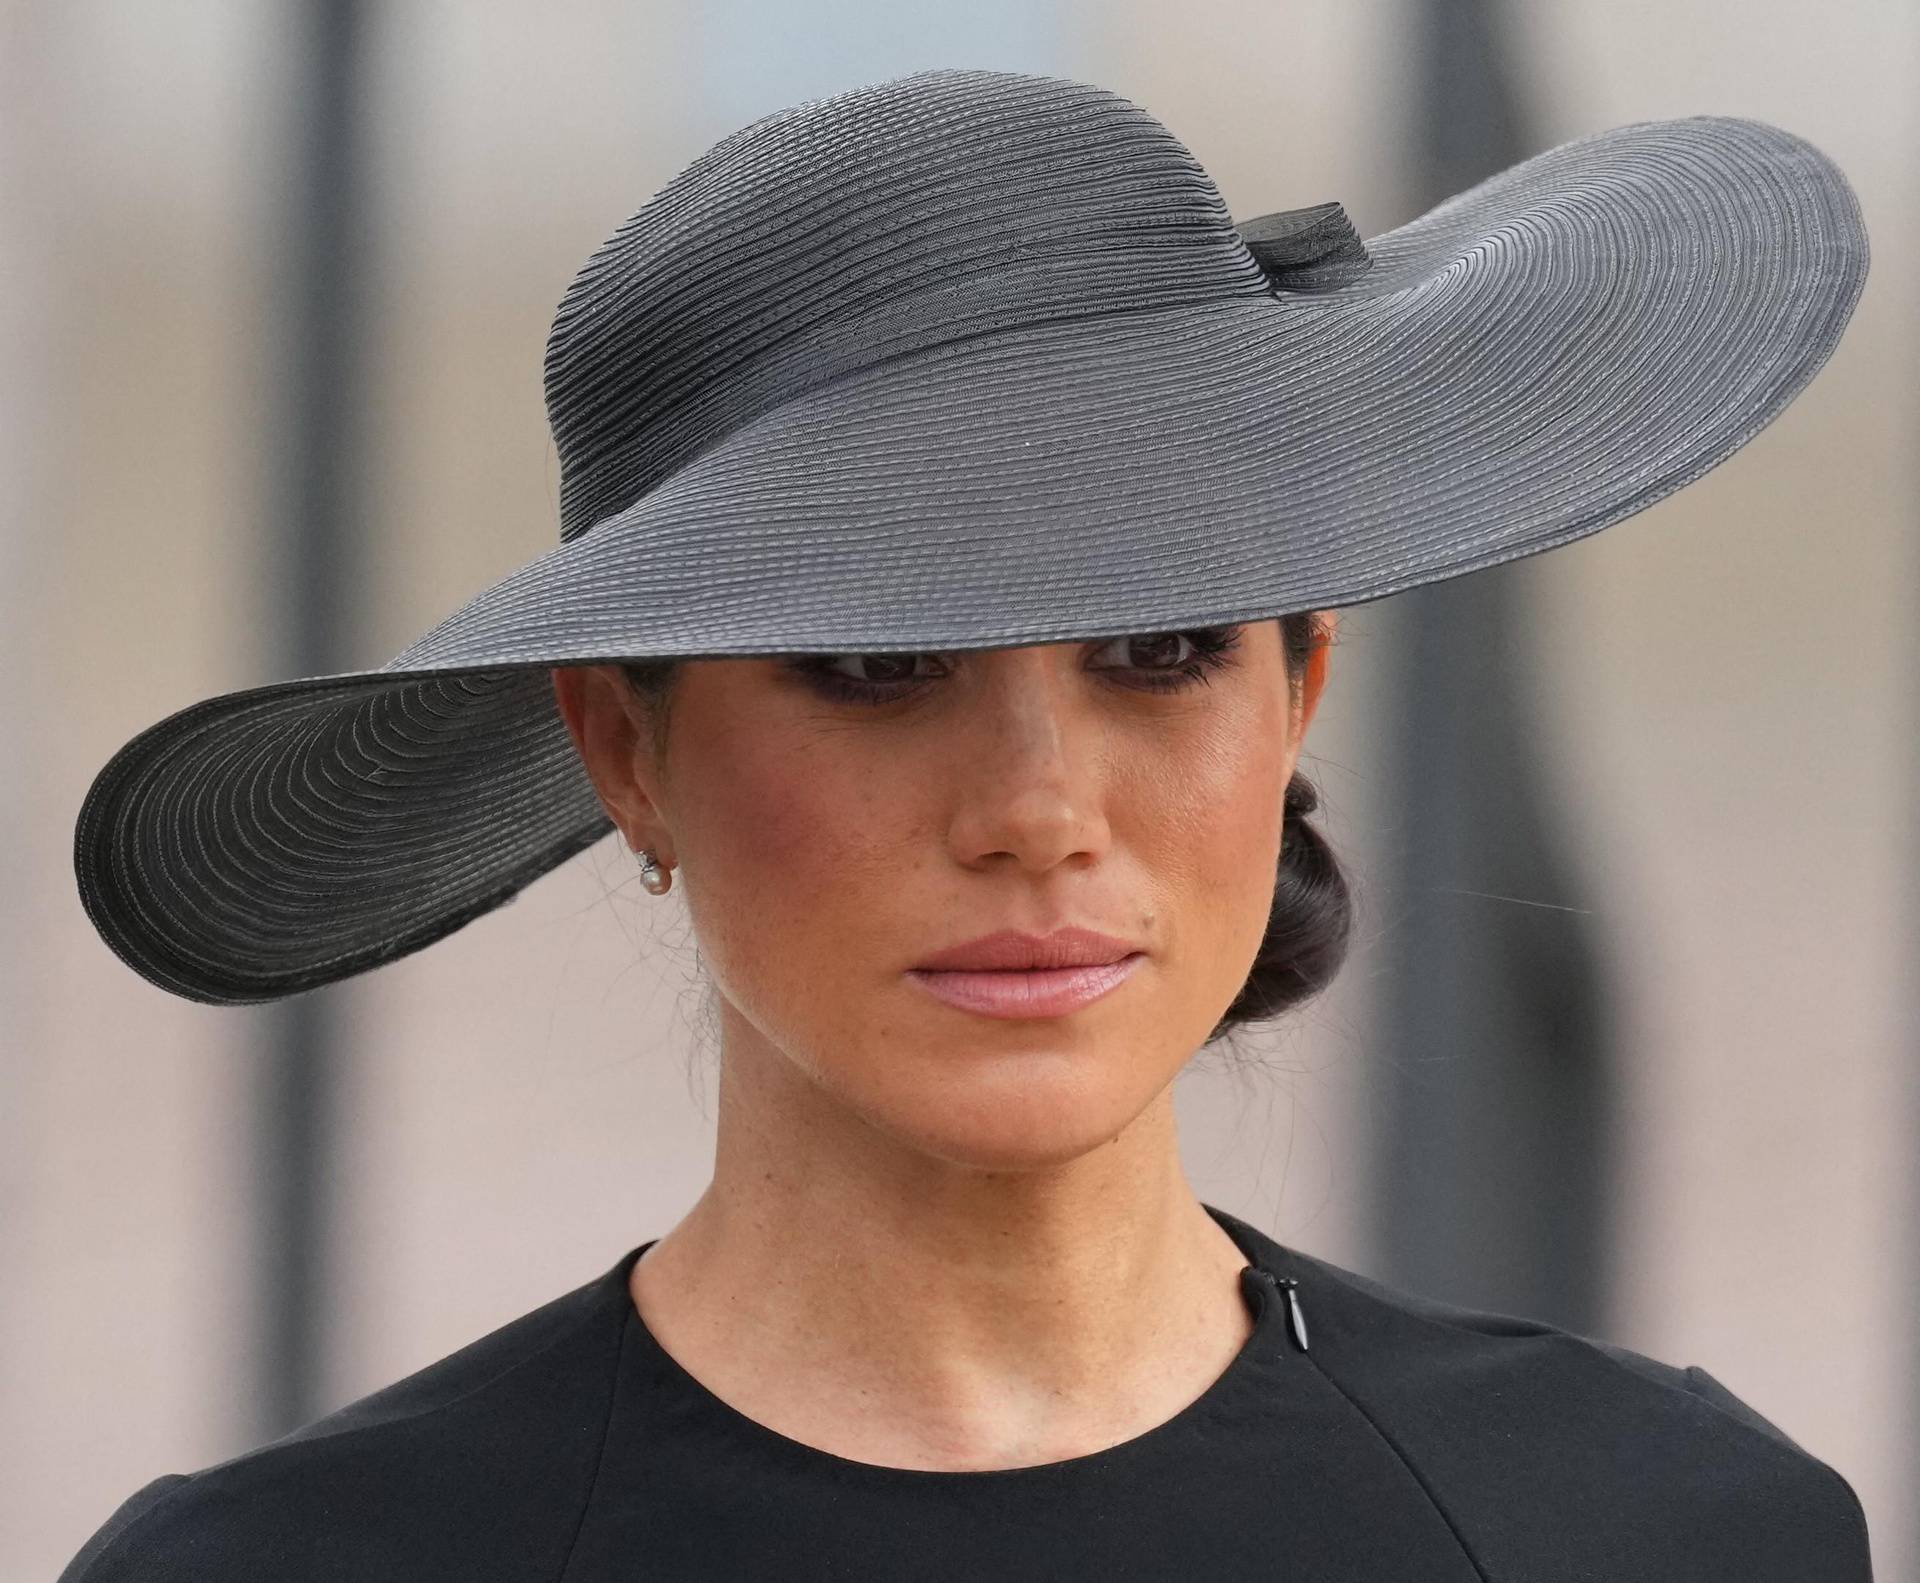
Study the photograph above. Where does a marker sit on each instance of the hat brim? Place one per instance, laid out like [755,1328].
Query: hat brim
[1538,357]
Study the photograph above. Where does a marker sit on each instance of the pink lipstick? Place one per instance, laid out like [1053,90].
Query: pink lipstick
[1032,992]
[1041,991]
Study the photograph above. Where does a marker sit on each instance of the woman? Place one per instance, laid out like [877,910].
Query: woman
[956,509]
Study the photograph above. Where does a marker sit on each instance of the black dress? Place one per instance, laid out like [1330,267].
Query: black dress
[1362,1435]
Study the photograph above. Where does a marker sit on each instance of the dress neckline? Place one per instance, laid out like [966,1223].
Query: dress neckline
[647,1366]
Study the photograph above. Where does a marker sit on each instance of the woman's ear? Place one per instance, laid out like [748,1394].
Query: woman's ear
[1326,626]
[601,716]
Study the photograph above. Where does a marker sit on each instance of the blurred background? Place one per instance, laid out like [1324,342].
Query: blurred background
[1627,1037]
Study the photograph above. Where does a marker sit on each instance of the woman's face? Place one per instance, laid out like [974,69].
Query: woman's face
[828,844]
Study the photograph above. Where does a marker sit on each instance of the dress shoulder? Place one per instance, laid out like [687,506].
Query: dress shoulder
[87,1565]
[1841,1503]
[473,1468]
[1549,1450]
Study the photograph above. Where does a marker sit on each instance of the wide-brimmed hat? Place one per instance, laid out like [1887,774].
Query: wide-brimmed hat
[970,359]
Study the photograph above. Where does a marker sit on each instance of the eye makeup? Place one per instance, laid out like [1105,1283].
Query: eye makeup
[1212,651]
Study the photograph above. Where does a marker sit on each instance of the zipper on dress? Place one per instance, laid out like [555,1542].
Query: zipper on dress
[1295,1319]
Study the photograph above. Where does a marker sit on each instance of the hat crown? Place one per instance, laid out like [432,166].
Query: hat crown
[849,229]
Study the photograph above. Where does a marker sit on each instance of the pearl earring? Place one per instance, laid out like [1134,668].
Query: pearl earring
[654,875]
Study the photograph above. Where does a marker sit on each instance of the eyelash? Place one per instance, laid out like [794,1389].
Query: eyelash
[1213,648]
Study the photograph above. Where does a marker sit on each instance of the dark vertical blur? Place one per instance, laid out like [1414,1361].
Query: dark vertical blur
[309,554]
[1494,1101]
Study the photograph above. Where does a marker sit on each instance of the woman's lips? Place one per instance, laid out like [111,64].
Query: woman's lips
[1040,992]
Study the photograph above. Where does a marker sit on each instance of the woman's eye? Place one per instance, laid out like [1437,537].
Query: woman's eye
[1160,662]
[1209,649]
[1158,648]
[886,667]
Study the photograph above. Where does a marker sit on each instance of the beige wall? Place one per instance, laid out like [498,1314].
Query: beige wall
[1729,677]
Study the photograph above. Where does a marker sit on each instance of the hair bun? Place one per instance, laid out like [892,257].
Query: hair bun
[1302,798]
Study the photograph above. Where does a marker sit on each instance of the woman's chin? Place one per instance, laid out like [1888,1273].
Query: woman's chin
[1012,1121]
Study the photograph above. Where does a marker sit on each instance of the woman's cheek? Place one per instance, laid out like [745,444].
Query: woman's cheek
[779,847]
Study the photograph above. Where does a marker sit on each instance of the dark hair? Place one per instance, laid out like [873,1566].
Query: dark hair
[1312,913]
[1311,919]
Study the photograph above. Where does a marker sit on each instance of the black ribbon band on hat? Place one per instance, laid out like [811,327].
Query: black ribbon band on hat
[1306,249]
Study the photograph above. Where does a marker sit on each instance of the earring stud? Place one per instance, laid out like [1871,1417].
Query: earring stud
[654,875]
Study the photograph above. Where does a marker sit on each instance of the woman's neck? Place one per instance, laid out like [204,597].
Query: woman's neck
[868,1301]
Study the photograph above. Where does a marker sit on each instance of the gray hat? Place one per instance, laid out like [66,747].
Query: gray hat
[969,359]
